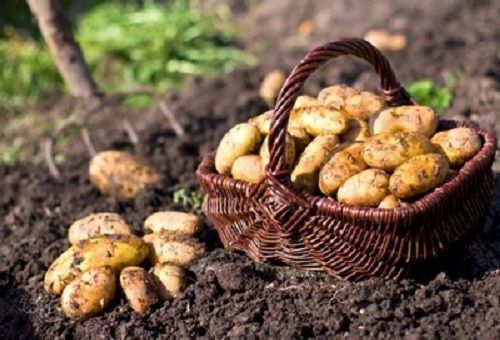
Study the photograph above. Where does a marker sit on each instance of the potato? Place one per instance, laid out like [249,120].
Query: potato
[289,150]
[139,288]
[171,248]
[241,140]
[96,225]
[318,120]
[170,280]
[301,138]
[262,121]
[116,251]
[305,101]
[345,163]
[357,131]
[249,168]
[120,174]
[305,173]
[413,118]
[271,85]
[367,188]
[357,104]
[174,221]
[390,202]
[458,145]
[419,175]
[388,151]
[89,293]
[386,40]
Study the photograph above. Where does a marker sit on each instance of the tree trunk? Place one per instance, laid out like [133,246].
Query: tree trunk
[65,50]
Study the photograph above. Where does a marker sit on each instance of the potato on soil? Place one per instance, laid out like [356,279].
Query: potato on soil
[139,288]
[305,173]
[242,139]
[305,101]
[388,151]
[318,120]
[289,150]
[96,225]
[458,145]
[271,85]
[357,104]
[89,293]
[367,188]
[345,163]
[170,280]
[60,272]
[120,174]
[174,221]
[412,118]
[249,168]
[390,202]
[419,175]
[171,248]
[357,131]
[386,40]
[301,138]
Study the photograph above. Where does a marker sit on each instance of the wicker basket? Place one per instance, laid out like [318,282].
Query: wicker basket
[271,221]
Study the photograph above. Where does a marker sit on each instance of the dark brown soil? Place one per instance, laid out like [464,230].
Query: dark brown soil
[230,296]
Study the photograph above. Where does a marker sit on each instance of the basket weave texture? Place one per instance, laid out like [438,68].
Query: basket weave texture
[272,221]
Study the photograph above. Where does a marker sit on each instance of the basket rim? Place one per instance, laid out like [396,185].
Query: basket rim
[328,205]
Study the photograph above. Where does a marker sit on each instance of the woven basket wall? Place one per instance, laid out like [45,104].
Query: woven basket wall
[271,221]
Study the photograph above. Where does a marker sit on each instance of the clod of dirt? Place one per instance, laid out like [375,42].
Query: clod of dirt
[235,277]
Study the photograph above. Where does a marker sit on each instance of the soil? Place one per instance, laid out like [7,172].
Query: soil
[231,296]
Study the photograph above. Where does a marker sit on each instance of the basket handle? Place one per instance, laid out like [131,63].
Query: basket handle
[393,93]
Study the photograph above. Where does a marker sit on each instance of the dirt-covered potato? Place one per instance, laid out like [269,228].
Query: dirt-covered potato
[357,104]
[116,251]
[96,225]
[305,173]
[174,221]
[248,168]
[89,293]
[289,150]
[357,131]
[120,174]
[419,175]
[413,118]
[241,140]
[345,163]
[388,151]
[458,145]
[318,120]
[390,202]
[301,138]
[171,248]
[271,85]
[367,188]
[170,280]
[305,101]
[139,288]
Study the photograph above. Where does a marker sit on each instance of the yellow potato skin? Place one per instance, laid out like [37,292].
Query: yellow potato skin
[358,131]
[345,163]
[173,221]
[388,151]
[305,101]
[390,202]
[301,138]
[458,145]
[170,280]
[89,293]
[241,140]
[367,188]
[120,174]
[271,85]
[419,175]
[96,225]
[323,119]
[174,249]
[262,121]
[139,288]
[412,118]
[60,272]
[249,168]
[305,174]
[289,150]
[357,104]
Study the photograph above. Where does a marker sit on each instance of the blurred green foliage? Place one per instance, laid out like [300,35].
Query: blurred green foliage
[190,200]
[127,46]
[428,93]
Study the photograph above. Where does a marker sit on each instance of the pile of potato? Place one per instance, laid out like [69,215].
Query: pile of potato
[348,145]
[104,253]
